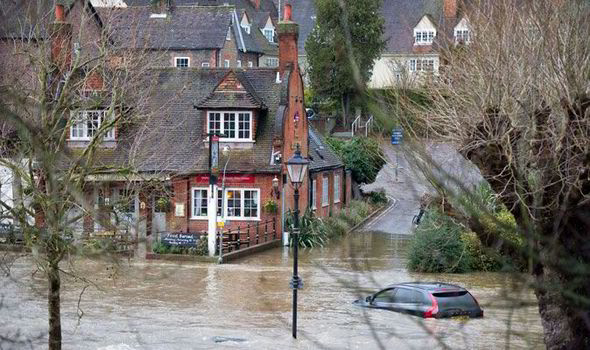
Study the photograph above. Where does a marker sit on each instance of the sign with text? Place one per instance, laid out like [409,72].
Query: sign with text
[229,179]
[179,239]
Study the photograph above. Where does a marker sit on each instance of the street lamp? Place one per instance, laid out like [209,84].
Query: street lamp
[297,168]
[226,153]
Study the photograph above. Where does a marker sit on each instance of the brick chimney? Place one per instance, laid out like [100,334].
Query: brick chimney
[288,35]
[450,8]
[61,37]
[255,3]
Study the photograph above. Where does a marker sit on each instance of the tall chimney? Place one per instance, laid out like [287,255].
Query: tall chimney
[288,34]
[450,8]
[256,4]
[61,37]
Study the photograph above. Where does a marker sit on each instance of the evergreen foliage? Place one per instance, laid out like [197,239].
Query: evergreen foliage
[361,155]
[343,47]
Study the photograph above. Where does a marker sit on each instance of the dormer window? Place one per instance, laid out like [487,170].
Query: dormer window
[425,37]
[235,125]
[246,28]
[88,123]
[269,34]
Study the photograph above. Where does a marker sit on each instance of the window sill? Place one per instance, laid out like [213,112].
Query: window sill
[336,202]
[231,218]
[325,205]
[199,218]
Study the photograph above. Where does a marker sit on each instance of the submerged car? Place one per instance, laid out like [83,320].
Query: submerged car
[428,300]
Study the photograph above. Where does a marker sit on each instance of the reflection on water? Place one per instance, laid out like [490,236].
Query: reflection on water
[247,304]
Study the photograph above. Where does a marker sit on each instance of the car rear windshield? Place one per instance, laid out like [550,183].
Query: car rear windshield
[455,300]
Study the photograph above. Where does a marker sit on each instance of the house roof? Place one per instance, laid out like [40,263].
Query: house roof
[320,155]
[233,91]
[172,137]
[22,19]
[185,27]
[401,16]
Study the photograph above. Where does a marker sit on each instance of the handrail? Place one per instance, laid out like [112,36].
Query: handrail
[368,124]
[355,125]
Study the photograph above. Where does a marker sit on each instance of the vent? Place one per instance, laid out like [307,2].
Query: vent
[158,15]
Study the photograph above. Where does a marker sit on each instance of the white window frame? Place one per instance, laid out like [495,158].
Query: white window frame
[242,202]
[246,28]
[188,61]
[222,123]
[205,65]
[269,34]
[226,63]
[336,188]
[250,64]
[80,124]
[228,35]
[325,191]
[465,35]
[199,217]
[239,63]
[224,205]
[314,193]
[424,37]
[418,64]
[272,62]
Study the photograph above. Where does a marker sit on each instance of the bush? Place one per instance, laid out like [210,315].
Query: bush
[312,232]
[437,246]
[361,155]
[377,197]
[336,226]
[480,258]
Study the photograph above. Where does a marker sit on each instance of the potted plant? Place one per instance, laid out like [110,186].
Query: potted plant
[271,207]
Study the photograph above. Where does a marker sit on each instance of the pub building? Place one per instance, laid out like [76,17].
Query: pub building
[254,118]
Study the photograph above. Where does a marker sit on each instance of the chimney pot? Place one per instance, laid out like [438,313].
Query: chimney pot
[60,13]
[450,8]
[288,11]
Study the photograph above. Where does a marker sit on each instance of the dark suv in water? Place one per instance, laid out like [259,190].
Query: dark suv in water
[430,299]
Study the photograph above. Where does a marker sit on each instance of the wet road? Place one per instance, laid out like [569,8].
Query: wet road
[247,305]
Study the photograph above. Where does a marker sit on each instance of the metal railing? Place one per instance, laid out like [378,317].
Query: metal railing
[249,235]
[355,125]
[368,125]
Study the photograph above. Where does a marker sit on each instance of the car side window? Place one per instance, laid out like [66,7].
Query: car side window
[408,296]
[385,296]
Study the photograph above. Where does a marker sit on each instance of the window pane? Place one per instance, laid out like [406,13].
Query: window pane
[126,201]
[244,126]
[200,202]
[214,122]
[336,188]
[385,296]
[219,202]
[229,125]
[234,203]
[325,194]
[250,203]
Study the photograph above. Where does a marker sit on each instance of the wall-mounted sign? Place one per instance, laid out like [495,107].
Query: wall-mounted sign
[180,239]
[229,179]
[179,209]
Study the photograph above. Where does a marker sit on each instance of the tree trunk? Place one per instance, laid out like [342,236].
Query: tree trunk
[54,306]
[564,327]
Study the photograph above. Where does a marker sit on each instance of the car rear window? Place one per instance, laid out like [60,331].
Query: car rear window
[454,300]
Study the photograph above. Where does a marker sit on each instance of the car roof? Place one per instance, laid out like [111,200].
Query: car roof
[430,286]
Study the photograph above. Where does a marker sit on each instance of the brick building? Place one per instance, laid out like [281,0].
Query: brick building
[260,111]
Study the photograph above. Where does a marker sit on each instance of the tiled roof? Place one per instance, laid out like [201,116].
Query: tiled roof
[185,27]
[171,138]
[220,98]
[21,19]
[320,154]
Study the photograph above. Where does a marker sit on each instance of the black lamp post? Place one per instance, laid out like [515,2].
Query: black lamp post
[297,168]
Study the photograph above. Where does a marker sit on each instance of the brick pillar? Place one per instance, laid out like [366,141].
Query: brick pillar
[181,201]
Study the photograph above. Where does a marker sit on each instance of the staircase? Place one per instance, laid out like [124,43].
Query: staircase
[359,127]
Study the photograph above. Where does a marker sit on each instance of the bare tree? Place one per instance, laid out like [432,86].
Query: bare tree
[516,101]
[62,80]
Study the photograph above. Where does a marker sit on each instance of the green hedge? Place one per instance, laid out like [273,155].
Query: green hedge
[437,246]
[361,155]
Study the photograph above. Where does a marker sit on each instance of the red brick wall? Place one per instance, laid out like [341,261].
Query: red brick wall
[182,194]
[332,207]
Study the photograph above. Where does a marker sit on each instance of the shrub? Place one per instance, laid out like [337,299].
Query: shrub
[480,258]
[312,230]
[361,155]
[336,226]
[377,197]
[437,246]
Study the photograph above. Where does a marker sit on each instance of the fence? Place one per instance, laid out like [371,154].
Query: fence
[250,235]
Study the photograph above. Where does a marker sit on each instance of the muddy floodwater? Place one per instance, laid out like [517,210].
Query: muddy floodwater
[247,304]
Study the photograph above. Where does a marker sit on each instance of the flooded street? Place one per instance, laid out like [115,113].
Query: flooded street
[247,304]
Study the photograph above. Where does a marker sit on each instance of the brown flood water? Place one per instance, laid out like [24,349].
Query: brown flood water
[247,304]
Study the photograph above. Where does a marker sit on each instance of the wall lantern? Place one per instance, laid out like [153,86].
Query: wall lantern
[275,192]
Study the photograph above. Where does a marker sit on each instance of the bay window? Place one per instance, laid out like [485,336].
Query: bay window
[236,126]
[86,125]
